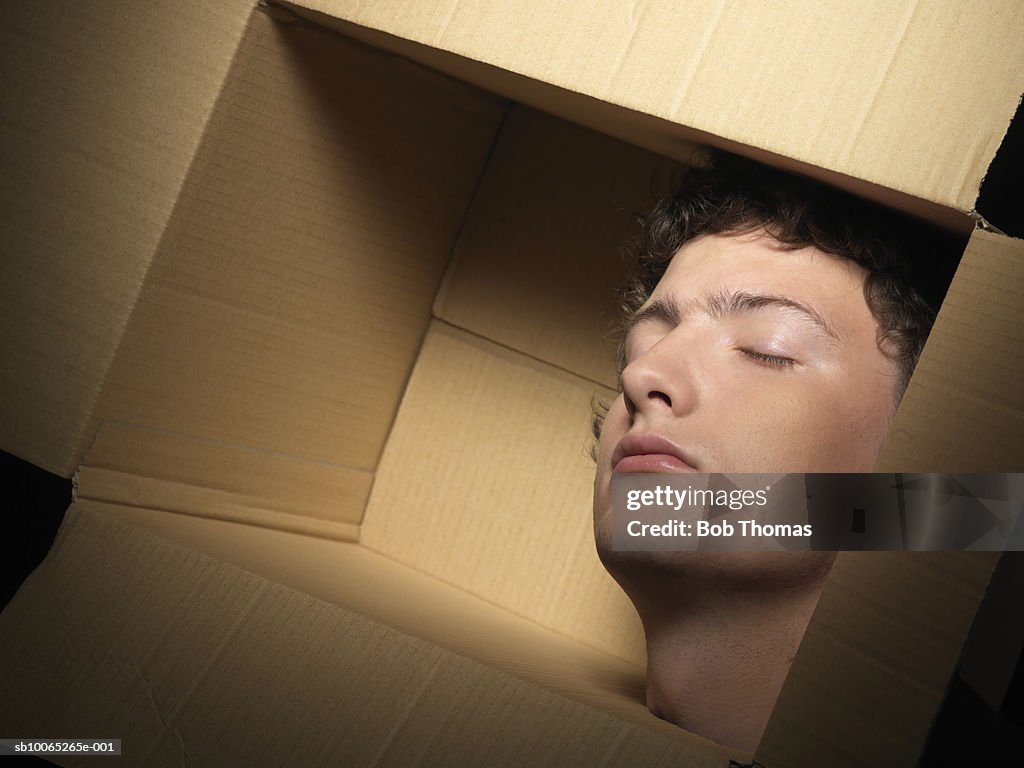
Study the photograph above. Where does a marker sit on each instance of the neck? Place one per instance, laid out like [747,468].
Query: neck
[718,654]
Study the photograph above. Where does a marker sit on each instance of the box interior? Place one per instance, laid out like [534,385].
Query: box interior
[309,348]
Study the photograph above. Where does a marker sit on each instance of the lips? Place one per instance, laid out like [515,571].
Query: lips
[650,453]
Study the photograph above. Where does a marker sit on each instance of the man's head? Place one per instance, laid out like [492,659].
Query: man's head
[770,328]
[738,246]
[732,196]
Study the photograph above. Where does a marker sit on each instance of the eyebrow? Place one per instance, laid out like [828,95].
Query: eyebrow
[722,305]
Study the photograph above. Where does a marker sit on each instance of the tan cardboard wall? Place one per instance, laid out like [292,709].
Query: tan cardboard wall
[190,660]
[873,667]
[964,408]
[290,289]
[104,104]
[356,578]
[912,96]
[539,259]
[159,470]
[487,486]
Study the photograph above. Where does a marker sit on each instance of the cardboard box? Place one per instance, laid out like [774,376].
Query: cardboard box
[331,322]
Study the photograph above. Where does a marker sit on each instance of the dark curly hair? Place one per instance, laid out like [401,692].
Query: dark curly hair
[908,262]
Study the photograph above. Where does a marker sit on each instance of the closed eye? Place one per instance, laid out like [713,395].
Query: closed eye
[773,361]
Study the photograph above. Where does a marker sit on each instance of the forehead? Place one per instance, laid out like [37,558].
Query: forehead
[756,264]
[746,262]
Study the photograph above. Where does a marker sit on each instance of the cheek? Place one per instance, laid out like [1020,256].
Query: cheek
[809,431]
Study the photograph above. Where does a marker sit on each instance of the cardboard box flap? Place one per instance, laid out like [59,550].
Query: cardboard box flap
[875,661]
[964,408]
[174,473]
[97,133]
[909,96]
[180,655]
[285,305]
[282,307]
[358,579]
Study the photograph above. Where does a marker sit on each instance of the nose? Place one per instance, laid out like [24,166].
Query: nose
[661,381]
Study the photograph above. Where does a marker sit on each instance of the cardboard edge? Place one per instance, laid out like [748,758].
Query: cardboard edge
[84,439]
[653,133]
[181,535]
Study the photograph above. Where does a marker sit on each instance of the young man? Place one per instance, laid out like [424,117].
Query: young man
[771,327]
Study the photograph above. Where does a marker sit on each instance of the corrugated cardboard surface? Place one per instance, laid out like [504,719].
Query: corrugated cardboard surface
[539,259]
[399,596]
[913,96]
[170,472]
[288,297]
[290,289]
[876,659]
[189,660]
[488,485]
[485,483]
[103,106]
[964,408]
[656,134]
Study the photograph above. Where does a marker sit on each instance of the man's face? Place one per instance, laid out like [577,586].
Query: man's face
[749,358]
